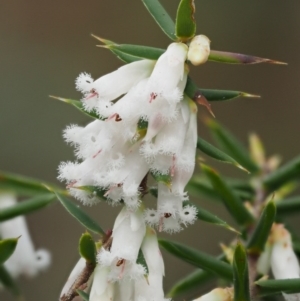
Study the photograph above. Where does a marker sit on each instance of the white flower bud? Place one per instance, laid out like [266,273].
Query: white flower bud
[217,294]
[284,262]
[199,50]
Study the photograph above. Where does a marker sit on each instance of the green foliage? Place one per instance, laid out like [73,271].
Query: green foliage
[286,173]
[85,296]
[208,217]
[232,202]
[240,274]
[273,287]
[190,282]
[87,248]
[198,259]
[228,143]
[79,106]
[9,283]
[215,153]
[185,21]
[80,215]
[7,247]
[27,206]
[261,232]
[237,58]
[142,261]
[24,186]
[161,17]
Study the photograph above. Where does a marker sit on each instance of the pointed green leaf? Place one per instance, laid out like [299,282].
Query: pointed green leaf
[272,287]
[8,282]
[185,21]
[80,215]
[288,206]
[162,178]
[216,153]
[7,247]
[142,261]
[79,106]
[240,274]
[190,282]
[237,58]
[161,17]
[85,296]
[87,248]
[261,232]
[232,202]
[137,51]
[24,185]
[27,206]
[232,146]
[198,259]
[193,92]
[286,173]
[208,217]
[198,186]
[127,58]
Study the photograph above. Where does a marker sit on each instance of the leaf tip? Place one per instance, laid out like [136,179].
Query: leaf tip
[243,94]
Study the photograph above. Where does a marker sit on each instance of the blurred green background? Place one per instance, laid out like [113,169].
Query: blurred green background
[46,44]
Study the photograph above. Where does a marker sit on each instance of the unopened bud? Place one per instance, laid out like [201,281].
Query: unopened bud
[284,261]
[199,50]
[218,294]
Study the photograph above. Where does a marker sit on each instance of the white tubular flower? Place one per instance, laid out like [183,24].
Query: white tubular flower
[25,260]
[199,50]
[218,294]
[114,84]
[152,253]
[73,276]
[264,261]
[284,262]
[102,289]
[128,233]
[151,288]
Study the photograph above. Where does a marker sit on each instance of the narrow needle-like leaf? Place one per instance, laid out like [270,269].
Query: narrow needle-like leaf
[161,17]
[231,146]
[80,215]
[27,206]
[240,274]
[190,282]
[198,259]
[78,105]
[208,217]
[232,202]
[261,232]
[282,175]
[24,185]
[216,153]
[238,58]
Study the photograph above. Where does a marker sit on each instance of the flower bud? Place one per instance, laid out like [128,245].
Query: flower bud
[284,262]
[217,294]
[199,50]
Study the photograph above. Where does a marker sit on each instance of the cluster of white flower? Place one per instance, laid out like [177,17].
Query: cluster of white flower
[25,260]
[281,258]
[115,154]
[119,276]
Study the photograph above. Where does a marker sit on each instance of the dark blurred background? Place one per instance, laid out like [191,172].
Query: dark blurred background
[46,44]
